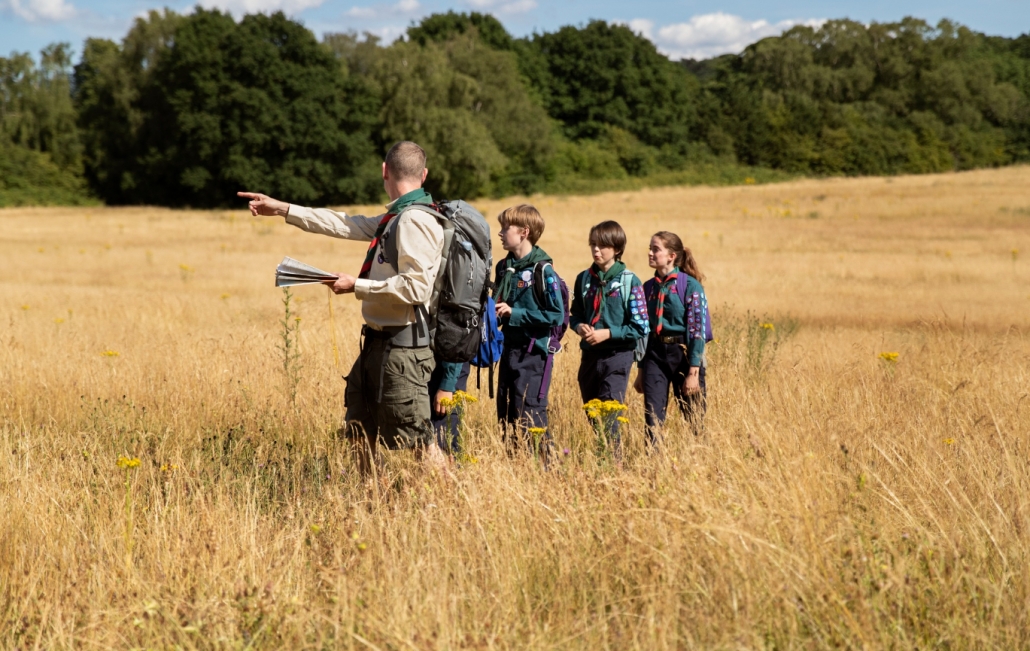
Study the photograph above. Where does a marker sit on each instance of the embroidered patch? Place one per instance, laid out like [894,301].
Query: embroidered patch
[527,275]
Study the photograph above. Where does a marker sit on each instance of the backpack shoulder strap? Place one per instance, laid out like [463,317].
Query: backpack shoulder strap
[681,286]
[583,282]
[426,208]
[649,286]
[627,287]
[539,282]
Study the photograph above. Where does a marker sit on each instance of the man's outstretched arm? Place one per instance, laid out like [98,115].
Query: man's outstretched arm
[323,221]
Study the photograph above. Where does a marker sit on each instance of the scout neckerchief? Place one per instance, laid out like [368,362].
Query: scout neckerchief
[603,278]
[512,267]
[415,196]
[664,284]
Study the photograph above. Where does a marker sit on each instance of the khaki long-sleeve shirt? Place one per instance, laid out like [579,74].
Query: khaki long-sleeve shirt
[393,288]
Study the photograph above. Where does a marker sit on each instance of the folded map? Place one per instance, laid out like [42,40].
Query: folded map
[292,272]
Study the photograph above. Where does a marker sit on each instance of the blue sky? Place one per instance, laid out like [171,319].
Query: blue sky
[690,28]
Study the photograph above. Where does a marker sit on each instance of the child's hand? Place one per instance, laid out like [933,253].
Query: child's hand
[438,407]
[638,383]
[583,329]
[503,310]
[692,384]
[597,336]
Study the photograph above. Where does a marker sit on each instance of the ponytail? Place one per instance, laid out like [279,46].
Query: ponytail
[684,257]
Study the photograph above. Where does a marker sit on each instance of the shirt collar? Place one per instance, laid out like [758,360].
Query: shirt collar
[418,195]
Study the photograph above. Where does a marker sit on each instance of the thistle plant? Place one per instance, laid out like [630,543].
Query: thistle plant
[289,346]
[128,464]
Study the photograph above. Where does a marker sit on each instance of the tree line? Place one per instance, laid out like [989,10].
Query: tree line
[187,109]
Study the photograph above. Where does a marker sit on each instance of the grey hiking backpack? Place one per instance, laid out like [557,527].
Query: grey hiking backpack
[463,283]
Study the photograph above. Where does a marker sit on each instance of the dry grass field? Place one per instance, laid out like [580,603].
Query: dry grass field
[836,499]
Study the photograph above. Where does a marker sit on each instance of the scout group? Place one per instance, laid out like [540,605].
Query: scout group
[398,388]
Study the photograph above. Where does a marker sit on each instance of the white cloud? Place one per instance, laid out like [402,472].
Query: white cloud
[642,26]
[376,11]
[39,10]
[709,35]
[361,12]
[238,7]
[504,6]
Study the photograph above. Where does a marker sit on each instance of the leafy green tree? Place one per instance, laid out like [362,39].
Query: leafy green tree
[464,102]
[849,98]
[109,80]
[440,28]
[605,75]
[36,110]
[214,106]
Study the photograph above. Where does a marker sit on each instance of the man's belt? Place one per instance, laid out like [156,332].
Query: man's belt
[399,337]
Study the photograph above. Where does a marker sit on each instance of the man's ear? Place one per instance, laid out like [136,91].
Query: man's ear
[425,173]
[386,172]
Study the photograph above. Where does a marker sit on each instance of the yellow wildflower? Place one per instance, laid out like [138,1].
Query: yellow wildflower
[465,397]
[537,431]
[623,420]
[126,462]
[890,358]
[768,326]
[949,441]
[749,181]
[448,403]
[110,353]
[25,307]
[316,529]
[58,320]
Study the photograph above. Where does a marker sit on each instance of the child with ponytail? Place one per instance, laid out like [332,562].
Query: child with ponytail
[678,313]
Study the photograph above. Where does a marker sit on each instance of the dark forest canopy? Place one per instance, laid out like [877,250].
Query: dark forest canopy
[189,108]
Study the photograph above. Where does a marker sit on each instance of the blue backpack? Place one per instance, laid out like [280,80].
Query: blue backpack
[491,344]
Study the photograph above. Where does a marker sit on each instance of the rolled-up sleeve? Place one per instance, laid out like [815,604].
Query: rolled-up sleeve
[419,248]
[326,221]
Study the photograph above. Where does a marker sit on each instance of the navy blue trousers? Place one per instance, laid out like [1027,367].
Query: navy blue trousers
[604,374]
[446,426]
[666,364]
[522,394]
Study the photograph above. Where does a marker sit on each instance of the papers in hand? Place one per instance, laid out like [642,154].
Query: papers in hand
[292,272]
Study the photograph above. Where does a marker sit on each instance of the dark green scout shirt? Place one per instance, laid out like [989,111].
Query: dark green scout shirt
[687,321]
[529,320]
[623,309]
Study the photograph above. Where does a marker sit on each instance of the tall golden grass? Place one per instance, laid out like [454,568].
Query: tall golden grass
[836,499]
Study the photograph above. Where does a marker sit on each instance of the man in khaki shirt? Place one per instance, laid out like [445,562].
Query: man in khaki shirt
[387,399]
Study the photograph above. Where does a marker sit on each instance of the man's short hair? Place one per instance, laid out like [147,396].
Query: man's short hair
[406,161]
[523,216]
[609,234]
